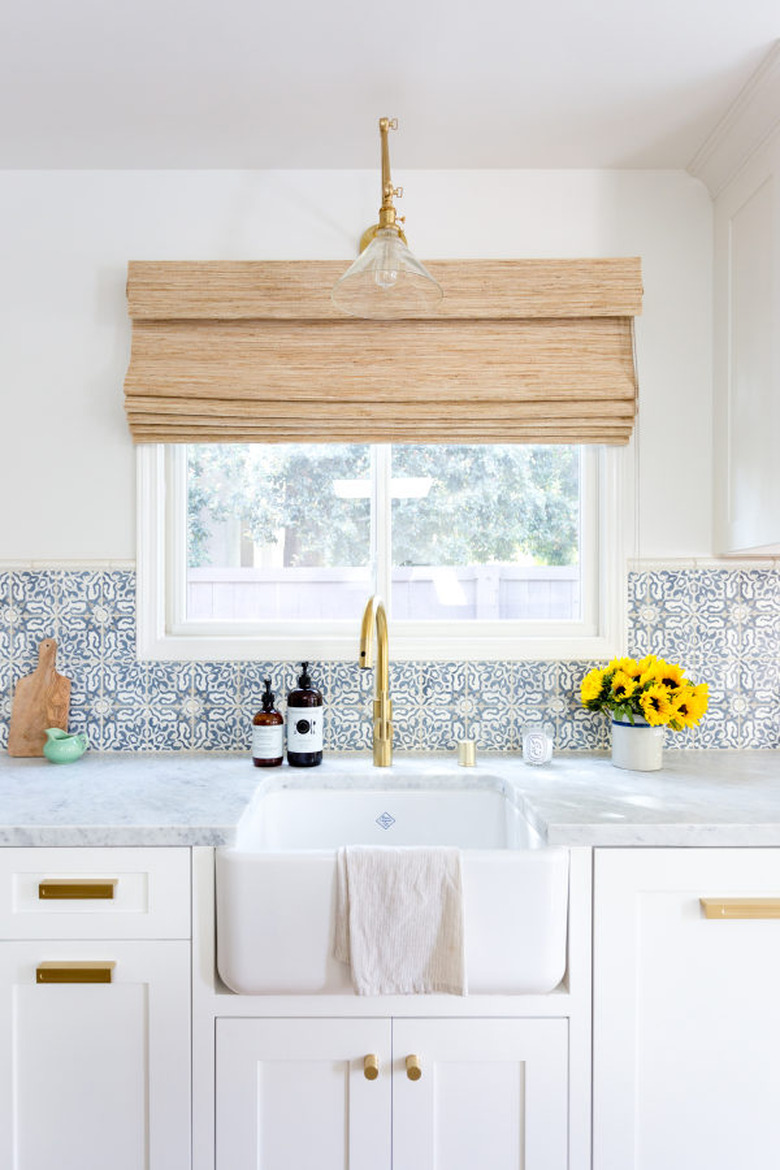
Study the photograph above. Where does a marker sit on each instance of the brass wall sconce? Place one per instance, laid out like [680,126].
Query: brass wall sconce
[386,280]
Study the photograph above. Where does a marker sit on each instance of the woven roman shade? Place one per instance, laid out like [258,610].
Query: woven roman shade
[536,351]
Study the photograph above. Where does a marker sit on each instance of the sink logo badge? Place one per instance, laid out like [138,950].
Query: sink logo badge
[385,820]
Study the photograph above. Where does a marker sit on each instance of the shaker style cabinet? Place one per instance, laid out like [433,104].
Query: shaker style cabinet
[493,1093]
[686,1027]
[747,356]
[294,1093]
[447,1093]
[94,1026]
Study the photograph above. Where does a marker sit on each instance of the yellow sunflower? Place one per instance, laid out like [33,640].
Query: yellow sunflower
[623,686]
[655,704]
[628,666]
[689,705]
[646,669]
[591,686]
[668,674]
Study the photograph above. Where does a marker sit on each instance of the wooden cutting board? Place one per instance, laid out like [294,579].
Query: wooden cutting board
[41,700]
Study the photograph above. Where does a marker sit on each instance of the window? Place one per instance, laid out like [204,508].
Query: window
[485,551]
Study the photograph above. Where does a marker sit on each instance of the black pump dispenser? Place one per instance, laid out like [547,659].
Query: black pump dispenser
[268,696]
[304,723]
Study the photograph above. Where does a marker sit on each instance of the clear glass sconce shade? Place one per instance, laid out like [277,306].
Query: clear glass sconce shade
[386,280]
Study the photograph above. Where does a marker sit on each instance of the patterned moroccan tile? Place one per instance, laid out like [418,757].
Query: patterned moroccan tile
[35,591]
[674,641]
[116,614]
[219,723]
[584,732]
[250,685]
[404,677]
[87,683]
[758,673]
[78,598]
[34,615]
[6,618]
[348,695]
[761,732]
[663,616]
[125,723]
[442,684]
[488,708]
[726,732]
[717,591]
[722,625]
[760,585]
[346,729]
[6,699]
[408,705]
[757,642]
[119,590]
[346,683]
[171,706]
[6,641]
[710,731]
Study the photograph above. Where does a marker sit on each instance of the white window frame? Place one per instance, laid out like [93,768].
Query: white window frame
[163,634]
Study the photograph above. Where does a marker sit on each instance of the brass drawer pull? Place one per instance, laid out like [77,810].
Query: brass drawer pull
[66,888]
[371,1066]
[74,972]
[740,907]
[413,1070]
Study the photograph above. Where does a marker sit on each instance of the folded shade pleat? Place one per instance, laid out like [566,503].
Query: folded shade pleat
[223,377]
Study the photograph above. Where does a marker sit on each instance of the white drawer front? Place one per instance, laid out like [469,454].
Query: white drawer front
[94,893]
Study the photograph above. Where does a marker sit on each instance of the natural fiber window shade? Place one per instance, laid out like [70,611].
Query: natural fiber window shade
[521,351]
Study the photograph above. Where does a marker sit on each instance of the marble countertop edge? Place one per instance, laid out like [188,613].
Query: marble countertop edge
[700,798]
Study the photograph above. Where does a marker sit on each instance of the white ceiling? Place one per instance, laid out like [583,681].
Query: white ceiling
[301,83]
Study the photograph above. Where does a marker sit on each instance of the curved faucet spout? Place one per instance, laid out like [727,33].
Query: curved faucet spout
[375,615]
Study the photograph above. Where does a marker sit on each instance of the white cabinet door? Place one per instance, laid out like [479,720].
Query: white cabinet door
[95,1076]
[493,1094]
[747,356]
[686,1012]
[292,1094]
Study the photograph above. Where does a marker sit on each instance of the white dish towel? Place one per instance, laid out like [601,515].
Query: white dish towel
[399,919]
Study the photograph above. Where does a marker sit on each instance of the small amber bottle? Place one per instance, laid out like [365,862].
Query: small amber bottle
[267,733]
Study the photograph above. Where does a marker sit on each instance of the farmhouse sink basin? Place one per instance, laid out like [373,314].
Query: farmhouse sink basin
[276,885]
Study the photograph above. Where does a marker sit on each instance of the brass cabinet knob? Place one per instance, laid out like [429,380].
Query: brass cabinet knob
[371,1066]
[413,1070]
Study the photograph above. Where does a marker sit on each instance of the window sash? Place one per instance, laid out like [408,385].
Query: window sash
[164,632]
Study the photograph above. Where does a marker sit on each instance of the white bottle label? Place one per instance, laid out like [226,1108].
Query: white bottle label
[304,729]
[268,741]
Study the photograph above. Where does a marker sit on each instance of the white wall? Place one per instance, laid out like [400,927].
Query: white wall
[67,481]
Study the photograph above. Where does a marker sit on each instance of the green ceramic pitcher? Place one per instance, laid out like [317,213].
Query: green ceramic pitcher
[62,748]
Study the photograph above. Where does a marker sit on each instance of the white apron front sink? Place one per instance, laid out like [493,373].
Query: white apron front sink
[276,887]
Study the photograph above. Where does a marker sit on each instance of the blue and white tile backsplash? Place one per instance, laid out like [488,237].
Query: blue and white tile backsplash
[723,625]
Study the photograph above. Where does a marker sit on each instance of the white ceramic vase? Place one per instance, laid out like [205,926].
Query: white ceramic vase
[637,746]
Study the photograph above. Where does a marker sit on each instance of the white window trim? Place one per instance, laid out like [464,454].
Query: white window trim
[160,584]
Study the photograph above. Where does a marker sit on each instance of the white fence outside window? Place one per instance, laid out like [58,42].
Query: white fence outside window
[482,592]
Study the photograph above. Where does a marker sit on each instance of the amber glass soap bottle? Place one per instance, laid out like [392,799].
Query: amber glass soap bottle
[267,733]
[304,723]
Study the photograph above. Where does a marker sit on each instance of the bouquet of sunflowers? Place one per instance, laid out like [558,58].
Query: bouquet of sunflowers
[650,690]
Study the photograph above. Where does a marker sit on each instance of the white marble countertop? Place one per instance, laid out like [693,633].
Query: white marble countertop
[699,798]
